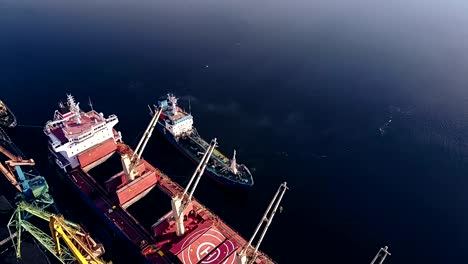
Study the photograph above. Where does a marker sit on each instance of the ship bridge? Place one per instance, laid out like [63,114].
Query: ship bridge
[179,118]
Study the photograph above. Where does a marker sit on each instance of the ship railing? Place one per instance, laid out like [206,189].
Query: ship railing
[54,144]
[82,138]
[112,118]
[87,135]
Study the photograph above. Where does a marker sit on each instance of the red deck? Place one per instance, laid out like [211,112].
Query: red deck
[121,218]
[98,152]
[207,239]
[207,245]
[70,129]
[88,120]
[136,188]
[198,216]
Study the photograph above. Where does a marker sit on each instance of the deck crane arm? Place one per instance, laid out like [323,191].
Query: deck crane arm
[12,163]
[11,177]
[32,187]
[146,136]
[8,153]
[180,203]
[266,218]
[80,250]
[381,255]
[80,246]
[130,162]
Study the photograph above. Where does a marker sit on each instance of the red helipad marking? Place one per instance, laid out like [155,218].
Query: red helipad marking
[191,237]
[203,247]
[221,253]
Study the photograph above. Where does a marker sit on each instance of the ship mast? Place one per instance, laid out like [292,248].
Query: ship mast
[74,108]
[90,103]
[243,259]
[189,106]
[180,203]
[234,163]
[173,100]
[383,252]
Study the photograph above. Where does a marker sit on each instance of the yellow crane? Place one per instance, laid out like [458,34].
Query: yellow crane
[80,247]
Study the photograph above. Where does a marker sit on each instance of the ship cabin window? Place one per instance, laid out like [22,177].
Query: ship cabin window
[162,103]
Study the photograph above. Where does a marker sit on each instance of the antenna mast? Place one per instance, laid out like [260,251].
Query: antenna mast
[189,106]
[90,103]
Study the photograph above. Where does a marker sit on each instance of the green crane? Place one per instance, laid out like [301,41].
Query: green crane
[80,248]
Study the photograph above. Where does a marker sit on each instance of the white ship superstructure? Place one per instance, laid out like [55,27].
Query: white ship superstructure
[75,136]
[176,122]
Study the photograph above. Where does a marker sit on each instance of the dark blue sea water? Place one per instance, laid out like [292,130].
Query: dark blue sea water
[304,90]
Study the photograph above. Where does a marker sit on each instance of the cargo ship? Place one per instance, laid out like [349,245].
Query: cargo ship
[177,127]
[189,233]
[7,118]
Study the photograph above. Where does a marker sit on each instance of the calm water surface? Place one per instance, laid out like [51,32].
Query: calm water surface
[304,91]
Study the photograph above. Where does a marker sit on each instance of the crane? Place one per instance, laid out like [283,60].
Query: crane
[243,256]
[180,202]
[81,248]
[382,254]
[33,188]
[131,160]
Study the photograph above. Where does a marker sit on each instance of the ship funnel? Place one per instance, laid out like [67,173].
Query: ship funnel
[381,255]
[246,257]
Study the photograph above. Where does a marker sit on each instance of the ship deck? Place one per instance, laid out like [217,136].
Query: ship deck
[222,166]
[203,218]
[203,227]
[71,129]
[120,217]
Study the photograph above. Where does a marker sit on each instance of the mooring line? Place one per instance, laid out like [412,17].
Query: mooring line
[28,126]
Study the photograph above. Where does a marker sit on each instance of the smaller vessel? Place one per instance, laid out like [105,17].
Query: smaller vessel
[7,118]
[177,127]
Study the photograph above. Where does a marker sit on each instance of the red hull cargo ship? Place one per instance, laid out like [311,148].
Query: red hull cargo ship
[189,233]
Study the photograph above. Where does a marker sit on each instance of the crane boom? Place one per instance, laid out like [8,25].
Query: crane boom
[265,219]
[20,162]
[80,246]
[13,162]
[382,254]
[9,175]
[83,252]
[180,203]
[146,136]
[8,153]
[200,169]
[130,160]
